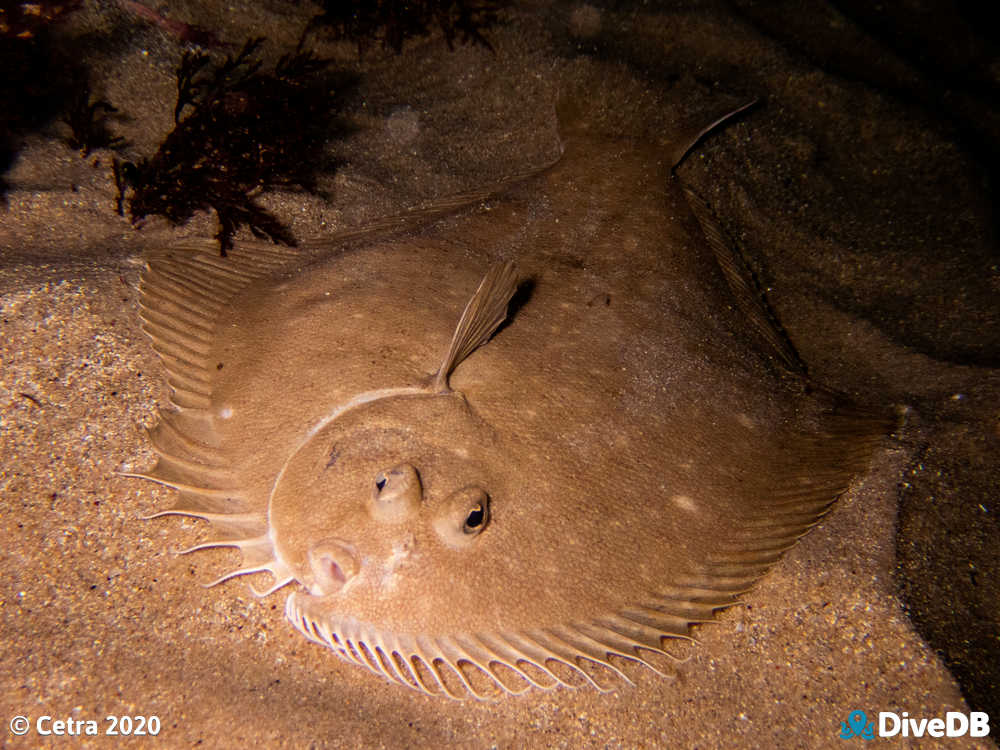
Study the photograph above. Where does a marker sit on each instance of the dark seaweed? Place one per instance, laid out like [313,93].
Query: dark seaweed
[19,20]
[187,33]
[394,21]
[37,73]
[239,132]
[87,118]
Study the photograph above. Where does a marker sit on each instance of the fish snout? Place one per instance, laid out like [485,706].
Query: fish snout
[333,562]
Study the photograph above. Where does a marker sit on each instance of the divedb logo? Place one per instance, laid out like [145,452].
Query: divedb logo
[954,724]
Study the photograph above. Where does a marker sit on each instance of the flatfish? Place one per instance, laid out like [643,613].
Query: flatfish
[524,439]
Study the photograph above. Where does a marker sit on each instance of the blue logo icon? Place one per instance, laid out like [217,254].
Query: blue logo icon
[857,725]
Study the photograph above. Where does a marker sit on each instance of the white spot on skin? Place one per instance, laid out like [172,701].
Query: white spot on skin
[401,551]
[383,573]
[403,126]
[226,412]
[746,421]
[685,502]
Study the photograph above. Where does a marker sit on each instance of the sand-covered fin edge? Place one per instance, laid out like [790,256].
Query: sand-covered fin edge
[585,654]
[589,653]
[182,292]
[745,289]
[489,664]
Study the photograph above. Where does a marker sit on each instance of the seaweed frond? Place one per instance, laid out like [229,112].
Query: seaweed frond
[25,20]
[186,32]
[239,131]
[87,119]
[198,81]
[37,72]
[394,21]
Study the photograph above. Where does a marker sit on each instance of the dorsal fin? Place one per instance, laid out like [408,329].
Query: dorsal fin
[482,316]
[689,140]
[749,296]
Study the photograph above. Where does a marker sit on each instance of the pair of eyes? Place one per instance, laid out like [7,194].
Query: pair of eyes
[397,495]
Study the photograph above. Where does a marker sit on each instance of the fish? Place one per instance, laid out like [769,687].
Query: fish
[526,438]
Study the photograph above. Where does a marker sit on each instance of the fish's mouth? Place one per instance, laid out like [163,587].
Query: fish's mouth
[333,564]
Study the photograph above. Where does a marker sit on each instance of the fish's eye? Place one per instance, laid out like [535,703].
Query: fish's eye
[463,516]
[396,494]
[475,520]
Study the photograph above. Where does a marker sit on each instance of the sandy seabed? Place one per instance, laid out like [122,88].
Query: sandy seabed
[867,224]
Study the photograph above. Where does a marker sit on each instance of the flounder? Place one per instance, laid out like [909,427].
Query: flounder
[538,498]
